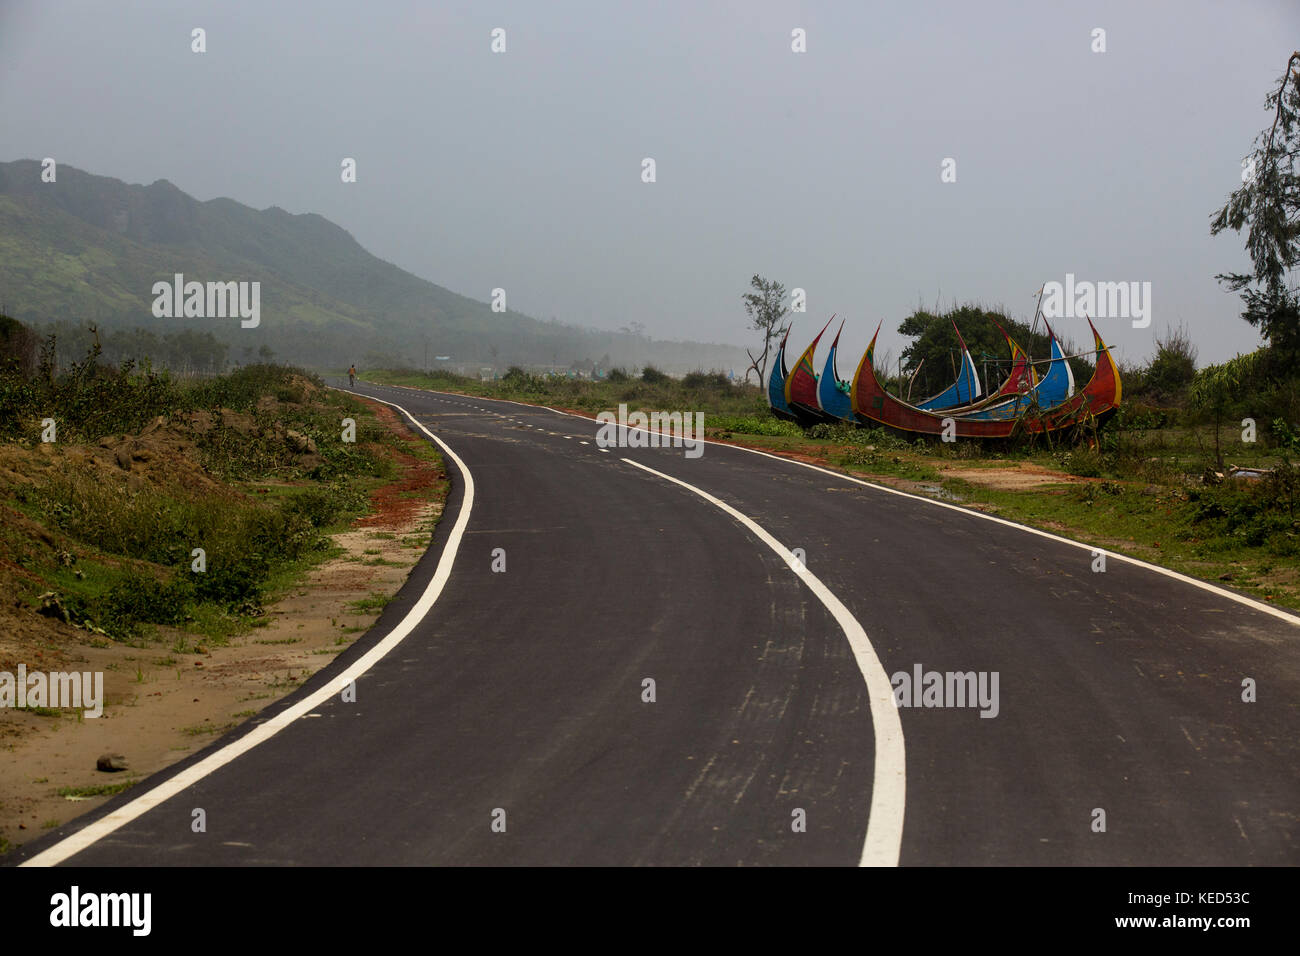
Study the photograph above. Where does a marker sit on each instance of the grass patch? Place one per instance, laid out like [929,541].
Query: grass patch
[41,711]
[199,730]
[375,601]
[97,790]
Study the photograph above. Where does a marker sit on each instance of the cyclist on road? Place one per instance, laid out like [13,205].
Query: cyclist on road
[352,376]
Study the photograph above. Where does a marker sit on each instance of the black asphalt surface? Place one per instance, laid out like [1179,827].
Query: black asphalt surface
[522,690]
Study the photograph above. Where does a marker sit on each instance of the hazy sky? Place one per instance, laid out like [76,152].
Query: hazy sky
[522,169]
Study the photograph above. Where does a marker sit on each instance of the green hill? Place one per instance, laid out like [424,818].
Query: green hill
[89,249]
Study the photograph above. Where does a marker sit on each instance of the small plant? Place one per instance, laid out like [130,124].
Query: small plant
[376,601]
[97,790]
[40,711]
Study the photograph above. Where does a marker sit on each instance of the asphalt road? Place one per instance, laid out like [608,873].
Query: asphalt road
[522,691]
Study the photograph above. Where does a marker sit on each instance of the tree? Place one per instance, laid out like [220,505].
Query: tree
[766,308]
[1267,205]
[930,361]
[1215,388]
[18,345]
[1174,366]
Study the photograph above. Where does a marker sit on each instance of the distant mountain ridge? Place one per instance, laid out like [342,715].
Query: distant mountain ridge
[89,248]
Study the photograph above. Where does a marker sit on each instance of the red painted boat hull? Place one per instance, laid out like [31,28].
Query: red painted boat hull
[872,405]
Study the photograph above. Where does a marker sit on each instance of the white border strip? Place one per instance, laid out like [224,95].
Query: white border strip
[142,804]
[1282,615]
[889,780]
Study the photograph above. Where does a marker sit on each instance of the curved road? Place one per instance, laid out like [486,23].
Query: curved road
[522,691]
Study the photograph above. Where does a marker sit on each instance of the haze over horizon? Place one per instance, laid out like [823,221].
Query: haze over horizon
[522,170]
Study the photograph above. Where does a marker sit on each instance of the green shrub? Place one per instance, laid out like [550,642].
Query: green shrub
[821,430]
[859,455]
[235,582]
[755,425]
[707,381]
[137,598]
[323,506]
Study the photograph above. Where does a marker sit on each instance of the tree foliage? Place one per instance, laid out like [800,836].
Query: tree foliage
[1267,206]
[1218,389]
[1174,367]
[18,345]
[934,351]
[766,309]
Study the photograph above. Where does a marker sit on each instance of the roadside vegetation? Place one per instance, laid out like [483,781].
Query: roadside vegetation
[113,478]
[645,388]
[1174,478]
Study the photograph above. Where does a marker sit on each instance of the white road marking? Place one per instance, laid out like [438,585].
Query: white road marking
[1287,616]
[1276,612]
[169,788]
[889,781]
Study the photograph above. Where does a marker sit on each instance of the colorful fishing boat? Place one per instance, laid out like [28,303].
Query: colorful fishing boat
[1023,375]
[801,386]
[827,398]
[965,390]
[776,383]
[832,392]
[1037,411]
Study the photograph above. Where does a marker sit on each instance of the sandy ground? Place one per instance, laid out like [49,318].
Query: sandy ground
[1013,477]
[162,704]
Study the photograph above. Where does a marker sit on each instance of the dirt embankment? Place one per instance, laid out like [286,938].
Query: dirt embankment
[171,694]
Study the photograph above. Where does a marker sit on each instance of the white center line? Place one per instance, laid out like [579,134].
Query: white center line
[889,781]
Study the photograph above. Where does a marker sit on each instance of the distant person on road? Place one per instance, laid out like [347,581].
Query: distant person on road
[352,376]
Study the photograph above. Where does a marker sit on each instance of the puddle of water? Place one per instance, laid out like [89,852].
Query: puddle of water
[938,492]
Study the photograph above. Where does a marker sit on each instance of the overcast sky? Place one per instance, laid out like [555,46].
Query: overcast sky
[523,169]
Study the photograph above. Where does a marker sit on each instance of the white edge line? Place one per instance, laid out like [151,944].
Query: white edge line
[889,780]
[1282,615]
[105,825]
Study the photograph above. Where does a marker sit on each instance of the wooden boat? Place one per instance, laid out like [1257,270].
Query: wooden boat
[872,405]
[1016,395]
[962,392]
[828,398]
[832,392]
[801,387]
[776,383]
[1023,375]
[1021,380]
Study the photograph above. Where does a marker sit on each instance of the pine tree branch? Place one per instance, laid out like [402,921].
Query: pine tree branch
[1281,90]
